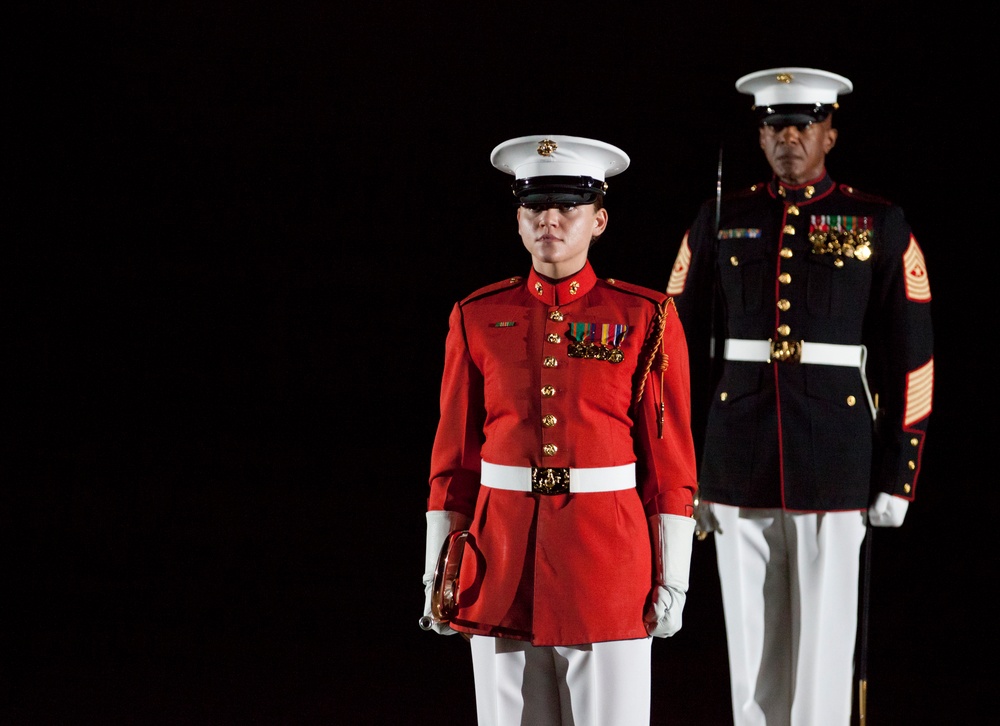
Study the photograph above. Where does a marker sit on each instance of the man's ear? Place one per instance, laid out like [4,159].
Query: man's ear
[831,139]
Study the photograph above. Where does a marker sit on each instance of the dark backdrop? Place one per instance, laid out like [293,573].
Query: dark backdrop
[234,234]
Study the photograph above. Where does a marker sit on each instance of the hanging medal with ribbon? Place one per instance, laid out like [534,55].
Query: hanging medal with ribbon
[841,235]
[597,342]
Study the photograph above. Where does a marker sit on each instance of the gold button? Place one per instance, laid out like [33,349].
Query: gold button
[914,441]
[911,465]
[723,396]
[556,315]
[906,488]
[784,330]
[793,210]
[548,391]
[734,261]
[783,305]
[838,262]
[786,252]
[851,400]
[549,450]
[553,338]
[548,420]
[789,229]
[550,362]
[784,278]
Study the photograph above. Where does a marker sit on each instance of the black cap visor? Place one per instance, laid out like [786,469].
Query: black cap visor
[792,114]
[558,190]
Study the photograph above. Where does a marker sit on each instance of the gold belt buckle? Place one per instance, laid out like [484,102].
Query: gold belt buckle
[785,351]
[549,481]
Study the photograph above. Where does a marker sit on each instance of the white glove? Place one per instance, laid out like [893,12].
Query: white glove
[887,511]
[439,525]
[705,519]
[672,537]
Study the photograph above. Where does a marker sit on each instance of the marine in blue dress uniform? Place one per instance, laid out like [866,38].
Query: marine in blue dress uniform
[816,412]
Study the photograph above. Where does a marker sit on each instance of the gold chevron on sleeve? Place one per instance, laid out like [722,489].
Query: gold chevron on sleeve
[918,287]
[679,272]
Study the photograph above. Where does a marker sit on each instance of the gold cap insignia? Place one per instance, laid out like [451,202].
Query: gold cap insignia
[546,147]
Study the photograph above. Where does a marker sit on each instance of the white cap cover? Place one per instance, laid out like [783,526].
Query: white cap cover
[779,86]
[549,155]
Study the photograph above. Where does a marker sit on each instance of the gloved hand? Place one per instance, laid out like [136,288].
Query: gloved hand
[439,525]
[887,511]
[672,537]
[705,519]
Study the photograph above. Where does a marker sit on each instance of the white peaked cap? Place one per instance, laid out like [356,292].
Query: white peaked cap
[550,155]
[778,86]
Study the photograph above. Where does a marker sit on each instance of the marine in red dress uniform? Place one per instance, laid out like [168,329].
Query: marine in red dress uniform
[564,448]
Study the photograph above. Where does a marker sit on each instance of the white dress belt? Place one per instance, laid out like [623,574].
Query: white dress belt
[533,478]
[831,354]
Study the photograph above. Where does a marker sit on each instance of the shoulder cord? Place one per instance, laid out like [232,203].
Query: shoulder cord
[654,344]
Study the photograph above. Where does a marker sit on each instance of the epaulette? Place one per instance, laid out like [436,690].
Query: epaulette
[850,191]
[654,296]
[492,288]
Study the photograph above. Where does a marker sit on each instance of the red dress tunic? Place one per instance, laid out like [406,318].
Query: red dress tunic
[532,377]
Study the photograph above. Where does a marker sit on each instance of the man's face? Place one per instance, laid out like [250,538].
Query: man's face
[560,235]
[797,154]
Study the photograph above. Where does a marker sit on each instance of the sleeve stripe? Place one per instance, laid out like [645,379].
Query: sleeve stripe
[678,274]
[919,387]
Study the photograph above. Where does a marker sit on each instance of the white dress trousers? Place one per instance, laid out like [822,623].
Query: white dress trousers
[597,684]
[790,594]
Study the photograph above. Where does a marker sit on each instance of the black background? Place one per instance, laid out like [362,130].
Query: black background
[234,233]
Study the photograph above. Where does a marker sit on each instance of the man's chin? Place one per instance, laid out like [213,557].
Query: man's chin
[790,172]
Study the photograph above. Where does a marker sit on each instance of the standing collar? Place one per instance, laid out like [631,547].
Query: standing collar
[801,193]
[564,291]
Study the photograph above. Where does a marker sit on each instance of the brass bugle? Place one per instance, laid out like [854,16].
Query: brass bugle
[444,590]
